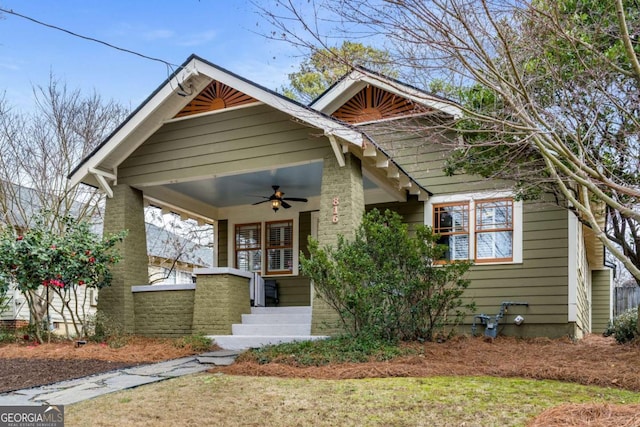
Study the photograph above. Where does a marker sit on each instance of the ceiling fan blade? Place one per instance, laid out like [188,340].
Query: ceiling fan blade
[284,204]
[295,199]
[261,201]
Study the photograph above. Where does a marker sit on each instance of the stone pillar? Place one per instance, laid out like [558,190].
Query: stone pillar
[221,298]
[125,211]
[341,210]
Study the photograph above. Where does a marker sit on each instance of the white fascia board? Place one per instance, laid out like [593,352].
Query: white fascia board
[340,93]
[179,203]
[142,116]
[305,115]
[357,80]
[572,261]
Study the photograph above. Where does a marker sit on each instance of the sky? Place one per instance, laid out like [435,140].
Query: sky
[224,32]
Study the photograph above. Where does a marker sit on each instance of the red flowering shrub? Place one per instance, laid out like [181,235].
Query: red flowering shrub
[42,263]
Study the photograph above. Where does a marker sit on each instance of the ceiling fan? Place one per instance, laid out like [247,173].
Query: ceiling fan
[277,199]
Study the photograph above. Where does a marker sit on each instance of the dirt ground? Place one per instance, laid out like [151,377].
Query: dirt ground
[594,360]
[27,365]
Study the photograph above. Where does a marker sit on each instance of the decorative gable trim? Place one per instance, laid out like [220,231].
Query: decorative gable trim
[373,103]
[350,85]
[215,96]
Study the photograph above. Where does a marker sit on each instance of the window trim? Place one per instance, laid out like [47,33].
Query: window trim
[254,248]
[476,231]
[467,225]
[251,219]
[472,199]
[267,247]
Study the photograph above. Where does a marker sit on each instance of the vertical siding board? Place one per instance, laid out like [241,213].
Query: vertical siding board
[601,295]
[222,252]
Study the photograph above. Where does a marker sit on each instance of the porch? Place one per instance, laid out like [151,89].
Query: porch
[265,171]
[219,305]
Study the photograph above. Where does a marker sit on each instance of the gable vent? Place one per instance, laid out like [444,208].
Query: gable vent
[373,103]
[215,96]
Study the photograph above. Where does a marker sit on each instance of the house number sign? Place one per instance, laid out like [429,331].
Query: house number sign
[335,202]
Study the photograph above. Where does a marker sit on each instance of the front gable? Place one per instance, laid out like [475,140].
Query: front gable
[373,103]
[215,96]
[363,95]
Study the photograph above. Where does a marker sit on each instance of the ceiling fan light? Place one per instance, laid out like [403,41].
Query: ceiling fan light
[275,204]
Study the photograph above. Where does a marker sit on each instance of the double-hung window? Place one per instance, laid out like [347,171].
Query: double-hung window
[485,230]
[494,230]
[270,254]
[451,222]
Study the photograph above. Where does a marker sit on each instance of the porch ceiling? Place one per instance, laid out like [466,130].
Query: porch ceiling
[245,189]
[248,188]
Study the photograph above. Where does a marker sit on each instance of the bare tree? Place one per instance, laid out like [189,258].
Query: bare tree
[549,91]
[40,148]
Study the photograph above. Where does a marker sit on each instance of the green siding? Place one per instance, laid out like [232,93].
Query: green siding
[223,239]
[294,291]
[412,212]
[223,143]
[601,299]
[422,154]
[541,279]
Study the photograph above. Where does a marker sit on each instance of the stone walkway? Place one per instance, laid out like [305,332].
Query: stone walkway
[72,391]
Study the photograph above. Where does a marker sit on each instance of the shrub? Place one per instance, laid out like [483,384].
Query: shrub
[197,342]
[340,349]
[102,328]
[385,283]
[42,264]
[624,327]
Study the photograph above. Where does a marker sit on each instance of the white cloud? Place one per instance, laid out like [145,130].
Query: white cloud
[197,39]
[8,64]
[158,34]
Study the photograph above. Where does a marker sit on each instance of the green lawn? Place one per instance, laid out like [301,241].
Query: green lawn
[215,399]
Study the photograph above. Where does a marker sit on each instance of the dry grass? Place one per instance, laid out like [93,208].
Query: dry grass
[210,399]
[429,398]
[589,415]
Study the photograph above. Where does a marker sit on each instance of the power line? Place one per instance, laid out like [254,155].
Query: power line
[11,12]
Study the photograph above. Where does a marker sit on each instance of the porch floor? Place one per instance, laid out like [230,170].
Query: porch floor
[269,325]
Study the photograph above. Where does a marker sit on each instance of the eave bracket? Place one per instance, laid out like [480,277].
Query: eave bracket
[102,176]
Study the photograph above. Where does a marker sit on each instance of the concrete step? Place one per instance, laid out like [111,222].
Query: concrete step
[281,310]
[272,329]
[276,319]
[239,342]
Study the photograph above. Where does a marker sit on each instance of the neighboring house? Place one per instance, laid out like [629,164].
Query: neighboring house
[171,259]
[211,144]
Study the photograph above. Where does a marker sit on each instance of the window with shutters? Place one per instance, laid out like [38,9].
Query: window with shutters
[279,247]
[266,248]
[248,247]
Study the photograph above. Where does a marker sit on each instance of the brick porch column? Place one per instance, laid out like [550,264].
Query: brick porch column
[125,211]
[341,210]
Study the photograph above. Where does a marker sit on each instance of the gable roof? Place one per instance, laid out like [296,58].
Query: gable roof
[360,78]
[185,93]
[164,103]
